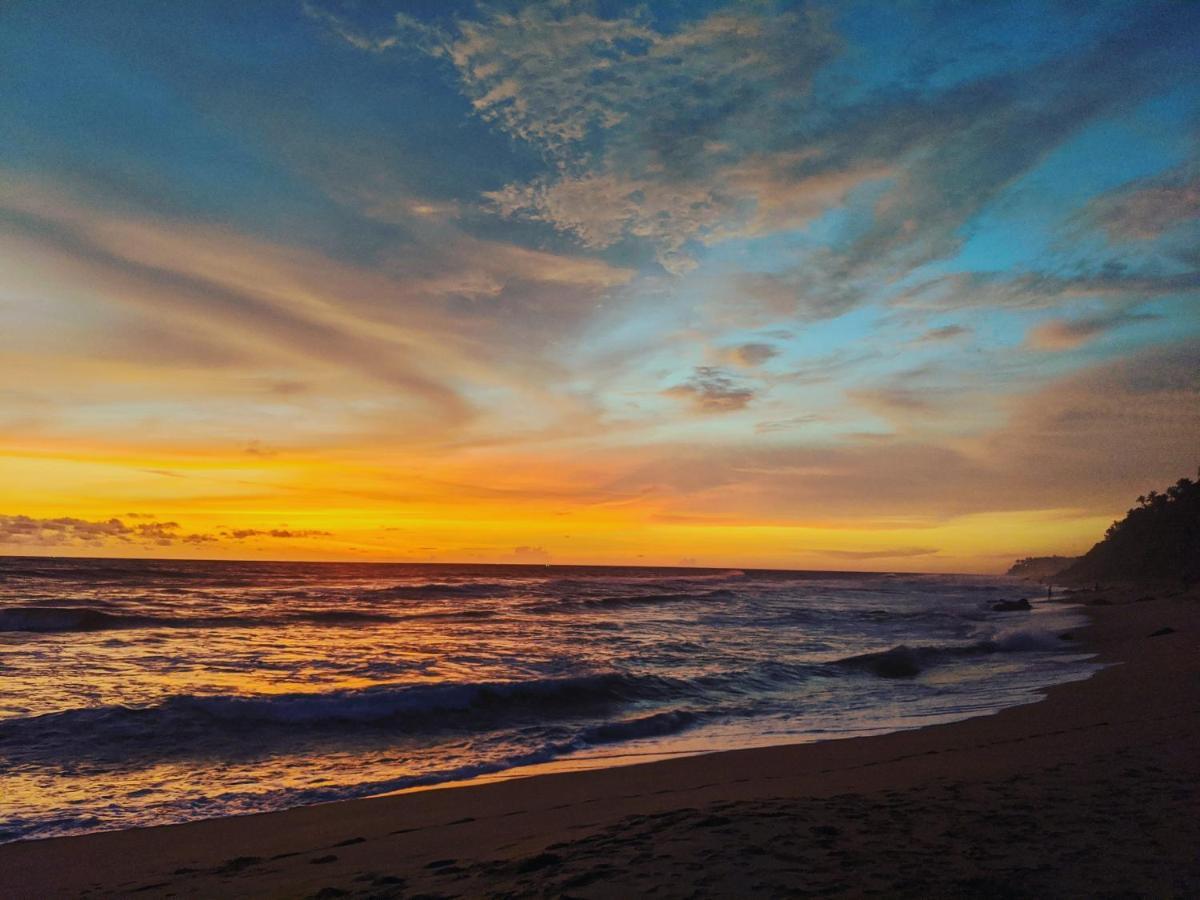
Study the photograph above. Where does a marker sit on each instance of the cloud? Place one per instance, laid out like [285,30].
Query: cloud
[1067,334]
[944,333]
[256,448]
[712,130]
[1148,208]
[240,534]
[1035,290]
[1105,431]
[711,390]
[959,149]
[557,74]
[1087,442]
[751,198]
[822,288]
[750,355]
[588,91]
[530,555]
[67,530]
[898,553]
[168,270]
[899,403]
[413,325]
[699,167]
[788,424]
[405,29]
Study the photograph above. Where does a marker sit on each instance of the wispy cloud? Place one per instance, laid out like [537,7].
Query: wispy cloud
[1066,334]
[1029,290]
[943,333]
[897,553]
[788,424]
[241,534]
[712,390]
[1148,208]
[750,355]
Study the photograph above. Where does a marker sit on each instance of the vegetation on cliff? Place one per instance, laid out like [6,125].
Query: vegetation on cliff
[1039,567]
[1159,539]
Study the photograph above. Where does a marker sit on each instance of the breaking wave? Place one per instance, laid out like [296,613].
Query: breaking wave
[907,662]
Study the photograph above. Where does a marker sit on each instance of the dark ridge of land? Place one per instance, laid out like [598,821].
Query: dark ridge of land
[1037,568]
[1158,540]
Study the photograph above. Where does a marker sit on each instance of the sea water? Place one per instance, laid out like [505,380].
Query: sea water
[146,692]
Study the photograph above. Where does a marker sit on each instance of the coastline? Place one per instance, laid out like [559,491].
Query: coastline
[934,809]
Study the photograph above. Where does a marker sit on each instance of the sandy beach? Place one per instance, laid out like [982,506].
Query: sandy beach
[1089,792]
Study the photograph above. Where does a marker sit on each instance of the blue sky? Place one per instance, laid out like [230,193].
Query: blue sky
[780,240]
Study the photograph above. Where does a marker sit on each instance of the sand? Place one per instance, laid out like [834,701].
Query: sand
[1092,791]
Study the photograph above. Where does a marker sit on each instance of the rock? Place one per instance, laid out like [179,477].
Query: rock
[1166,630]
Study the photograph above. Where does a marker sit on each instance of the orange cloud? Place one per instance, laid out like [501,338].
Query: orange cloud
[1067,334]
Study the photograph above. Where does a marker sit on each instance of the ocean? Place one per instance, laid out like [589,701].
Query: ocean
[146,692]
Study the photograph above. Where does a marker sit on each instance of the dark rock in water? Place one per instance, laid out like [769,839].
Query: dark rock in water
[1167,630]
[1100,601]
[899,662]
[1066,636]
[1021,605]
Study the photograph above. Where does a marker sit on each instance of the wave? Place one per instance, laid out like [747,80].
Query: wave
[55,619]
[68,618]
[669,578]
[190,725]
[440,589]
[189,808]
[176,723]
[907,662]
[243,802]
[396,704]
[464,615]
[651,599]
[654,725]
[330,616]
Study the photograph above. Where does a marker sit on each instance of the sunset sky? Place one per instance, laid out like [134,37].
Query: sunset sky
[903,286]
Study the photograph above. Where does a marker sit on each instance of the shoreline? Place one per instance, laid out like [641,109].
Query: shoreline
[567,831]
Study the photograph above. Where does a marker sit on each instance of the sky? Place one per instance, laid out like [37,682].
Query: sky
[844,285]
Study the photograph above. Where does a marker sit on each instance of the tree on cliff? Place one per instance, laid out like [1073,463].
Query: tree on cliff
[1159,539]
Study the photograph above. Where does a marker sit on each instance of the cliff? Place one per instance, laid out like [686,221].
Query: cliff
[1158,540]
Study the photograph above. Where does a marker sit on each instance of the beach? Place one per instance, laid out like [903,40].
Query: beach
[1091,791]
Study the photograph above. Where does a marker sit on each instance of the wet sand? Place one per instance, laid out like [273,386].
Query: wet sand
[1094,791]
